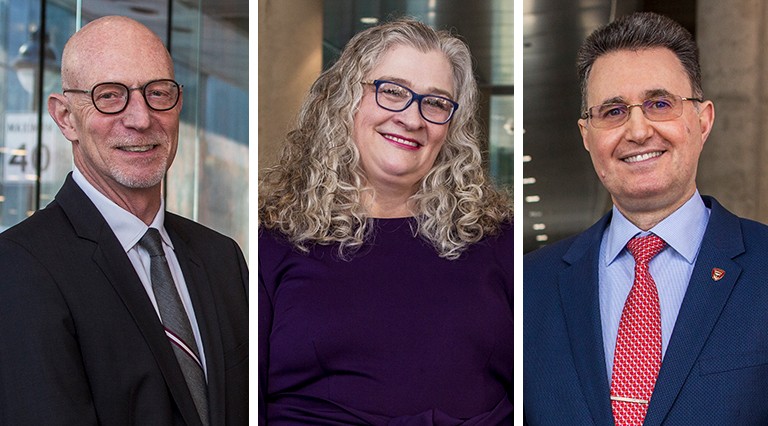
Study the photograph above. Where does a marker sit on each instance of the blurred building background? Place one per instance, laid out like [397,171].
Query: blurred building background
[208,40]
[300,38]
[562,195]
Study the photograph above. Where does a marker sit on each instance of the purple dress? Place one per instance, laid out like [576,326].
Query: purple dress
[394,336]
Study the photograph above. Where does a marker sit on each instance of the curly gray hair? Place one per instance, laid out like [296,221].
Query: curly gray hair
[313,195]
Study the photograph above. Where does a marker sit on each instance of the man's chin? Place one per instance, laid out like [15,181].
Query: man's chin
[133,181]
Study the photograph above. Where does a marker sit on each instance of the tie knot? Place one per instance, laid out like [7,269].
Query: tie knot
[643,249]
[152,242]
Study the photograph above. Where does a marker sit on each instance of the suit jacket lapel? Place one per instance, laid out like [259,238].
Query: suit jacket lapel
[110,257]
[580,300]
[704,300]
[200,292]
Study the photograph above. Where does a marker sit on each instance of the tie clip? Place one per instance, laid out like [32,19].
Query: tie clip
[632,400]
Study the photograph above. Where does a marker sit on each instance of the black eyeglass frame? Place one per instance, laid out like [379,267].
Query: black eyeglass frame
[414,97]
[128,95]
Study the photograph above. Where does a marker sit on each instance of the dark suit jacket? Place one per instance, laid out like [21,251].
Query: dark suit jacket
[715,370]
[81,344]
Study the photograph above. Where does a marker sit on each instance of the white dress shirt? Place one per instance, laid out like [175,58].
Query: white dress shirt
[129,229]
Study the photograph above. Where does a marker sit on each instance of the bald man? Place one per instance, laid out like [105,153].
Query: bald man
[87,337]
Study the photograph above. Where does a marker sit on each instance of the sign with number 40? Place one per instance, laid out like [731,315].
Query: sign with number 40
[20,155]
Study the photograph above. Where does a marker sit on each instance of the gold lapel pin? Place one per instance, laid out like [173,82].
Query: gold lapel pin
[717,274]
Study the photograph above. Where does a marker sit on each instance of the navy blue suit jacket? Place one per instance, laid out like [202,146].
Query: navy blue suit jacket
[80,342]
[715,369]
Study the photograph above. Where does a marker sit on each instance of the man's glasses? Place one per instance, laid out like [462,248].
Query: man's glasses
[659,108]
[396,97]
[112,98]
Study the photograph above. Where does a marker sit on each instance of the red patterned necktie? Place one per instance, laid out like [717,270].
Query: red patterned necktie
[637,358]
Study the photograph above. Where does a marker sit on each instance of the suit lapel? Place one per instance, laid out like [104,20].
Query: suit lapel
[200,291]
[704,300]
[580,301]
[110,258]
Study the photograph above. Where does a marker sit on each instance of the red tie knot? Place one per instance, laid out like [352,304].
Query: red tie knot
[643,249]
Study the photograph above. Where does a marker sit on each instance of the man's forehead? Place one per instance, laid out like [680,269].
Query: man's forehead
[90,63]
[636,74]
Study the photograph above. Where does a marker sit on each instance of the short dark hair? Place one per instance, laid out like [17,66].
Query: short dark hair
[638,31]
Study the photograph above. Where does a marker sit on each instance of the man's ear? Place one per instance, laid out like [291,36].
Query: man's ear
[706,119]
[583,130]
[60,110]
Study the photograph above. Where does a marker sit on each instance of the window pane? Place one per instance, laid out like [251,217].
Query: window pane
[209,179]
[501,140]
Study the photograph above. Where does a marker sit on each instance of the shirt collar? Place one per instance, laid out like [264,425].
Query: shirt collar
[127,228]
[683,230]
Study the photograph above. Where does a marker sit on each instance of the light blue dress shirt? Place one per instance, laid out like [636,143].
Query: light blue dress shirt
[671,269]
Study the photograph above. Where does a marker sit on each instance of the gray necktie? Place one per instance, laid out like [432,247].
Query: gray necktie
[176,322]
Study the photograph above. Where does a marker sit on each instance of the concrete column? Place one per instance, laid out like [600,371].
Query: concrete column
[732,37]
[290,59]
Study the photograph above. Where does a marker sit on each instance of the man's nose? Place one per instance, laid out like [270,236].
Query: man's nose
[137,113]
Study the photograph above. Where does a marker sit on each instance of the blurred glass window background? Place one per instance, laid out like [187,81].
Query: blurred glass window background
[208,40]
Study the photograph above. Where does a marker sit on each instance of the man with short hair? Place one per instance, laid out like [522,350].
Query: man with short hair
[656,314]
[115,311]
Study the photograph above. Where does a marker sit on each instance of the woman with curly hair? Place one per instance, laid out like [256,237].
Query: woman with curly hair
[385,253]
